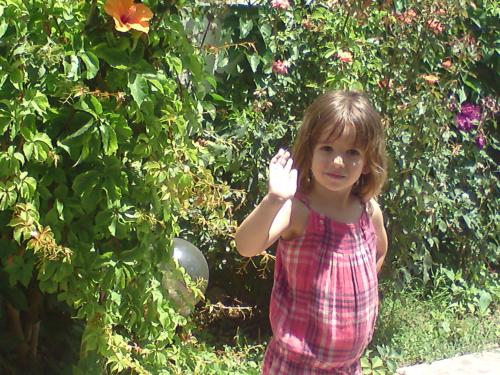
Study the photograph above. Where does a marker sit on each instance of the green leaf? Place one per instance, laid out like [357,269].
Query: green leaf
[442,226]
[8,196]
[28,148]
[174,63]
[5,121]
[72,68]
[138,88]
[28,188]
[211,80]
[119,123]
[17,78]
[3,28]
[114,57]
[40,103]
[265,30]
[108,137]
[85,181]
[254,60]
[86,105]
[112,226]
[91,62]
[330,53]
[377,362]
[462,96]
[96,104]
[20,270]
[43,139]
[484,300]
[365,363]
[60,209]
[84,129]
[246,25]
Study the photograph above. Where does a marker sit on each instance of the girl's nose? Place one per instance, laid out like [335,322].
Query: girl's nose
[338,160]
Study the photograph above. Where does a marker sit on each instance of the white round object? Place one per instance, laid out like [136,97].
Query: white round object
[192,260]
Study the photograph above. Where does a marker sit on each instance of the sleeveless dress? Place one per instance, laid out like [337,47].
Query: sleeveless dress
[324,300]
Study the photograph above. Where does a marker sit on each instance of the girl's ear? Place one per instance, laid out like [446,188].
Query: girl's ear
[365,170]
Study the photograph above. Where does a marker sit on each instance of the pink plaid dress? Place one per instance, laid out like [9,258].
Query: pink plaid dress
[324,300]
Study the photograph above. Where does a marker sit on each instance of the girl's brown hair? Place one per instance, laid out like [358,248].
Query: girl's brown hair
[334,111]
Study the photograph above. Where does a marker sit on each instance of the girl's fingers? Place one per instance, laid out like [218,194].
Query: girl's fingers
[277,156]
[288,164]
[284,158]
[281,157]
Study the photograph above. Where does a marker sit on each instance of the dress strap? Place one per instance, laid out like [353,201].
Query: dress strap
[301,197]
[368,209]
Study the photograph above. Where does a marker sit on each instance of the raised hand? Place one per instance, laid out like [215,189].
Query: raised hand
[282,178]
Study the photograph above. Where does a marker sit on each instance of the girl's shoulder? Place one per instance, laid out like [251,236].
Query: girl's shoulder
[375,213]
[373,208]
[298,220]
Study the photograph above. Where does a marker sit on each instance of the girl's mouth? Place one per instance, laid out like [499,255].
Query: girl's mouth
[334,175]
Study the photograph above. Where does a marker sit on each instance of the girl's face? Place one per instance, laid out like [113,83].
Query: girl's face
[338,164]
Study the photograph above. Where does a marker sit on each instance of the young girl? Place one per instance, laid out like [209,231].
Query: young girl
[332,240]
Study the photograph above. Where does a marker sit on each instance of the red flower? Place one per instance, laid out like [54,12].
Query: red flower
[128,15]
[345,56]
[385,84]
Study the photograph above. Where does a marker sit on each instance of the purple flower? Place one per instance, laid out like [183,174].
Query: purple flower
[463,122]
[469,115]
[480,141]
[280,67]
[472,111]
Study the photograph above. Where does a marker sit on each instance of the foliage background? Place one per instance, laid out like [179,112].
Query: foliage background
[113,143]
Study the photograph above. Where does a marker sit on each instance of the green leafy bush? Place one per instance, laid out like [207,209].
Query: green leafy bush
[99,164]
[113,142]
[430,69]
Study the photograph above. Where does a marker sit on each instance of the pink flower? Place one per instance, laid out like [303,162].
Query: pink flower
[280,4]
[407,17]
[446,63]
[435,26]
[345,56]
[430,78]
[280,67]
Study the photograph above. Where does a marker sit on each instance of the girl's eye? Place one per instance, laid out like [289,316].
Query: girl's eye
[353,152]
[326,148]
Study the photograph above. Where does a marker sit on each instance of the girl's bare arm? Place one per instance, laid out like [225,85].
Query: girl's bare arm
[263,226]
[271,217]
[378,224]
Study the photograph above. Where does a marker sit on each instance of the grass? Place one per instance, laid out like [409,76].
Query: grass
[412,330]
[409,330]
